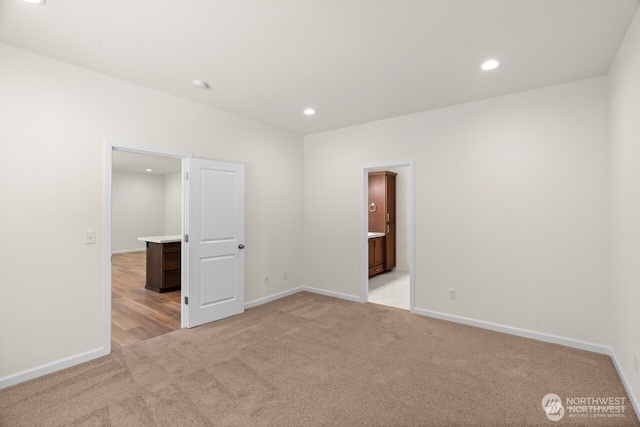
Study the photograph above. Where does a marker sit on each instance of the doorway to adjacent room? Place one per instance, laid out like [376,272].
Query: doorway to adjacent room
[146,200]
[210,245]
[394,286]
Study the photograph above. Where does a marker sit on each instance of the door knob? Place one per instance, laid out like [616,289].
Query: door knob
[240,246]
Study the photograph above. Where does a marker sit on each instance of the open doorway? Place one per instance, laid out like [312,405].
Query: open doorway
[143,198]
[146,202]
[389,282]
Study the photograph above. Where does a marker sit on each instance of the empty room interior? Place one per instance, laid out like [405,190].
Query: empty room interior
[429,209]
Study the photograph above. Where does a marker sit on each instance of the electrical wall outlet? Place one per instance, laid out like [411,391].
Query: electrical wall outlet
[90,237]
[635,362]
[452,293]
[266,280]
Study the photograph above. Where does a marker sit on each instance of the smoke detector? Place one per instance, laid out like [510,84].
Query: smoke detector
[199,84]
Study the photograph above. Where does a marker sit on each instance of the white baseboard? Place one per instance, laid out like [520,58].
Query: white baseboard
[286,293]
[568,342]
[127,251]
[331,294]
[49,368]
[270,298]
[625,382]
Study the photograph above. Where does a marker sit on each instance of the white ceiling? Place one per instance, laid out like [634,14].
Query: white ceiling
[354,61]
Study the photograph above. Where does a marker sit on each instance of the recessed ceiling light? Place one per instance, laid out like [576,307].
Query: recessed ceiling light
[490,64]
[149,170]
[36,1]
[309,111]
[199,84]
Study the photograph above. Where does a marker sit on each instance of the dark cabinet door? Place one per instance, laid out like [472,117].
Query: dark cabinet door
[382,213]
[163,266]
[372,255]
[390,247]
[390,199]
[377,208]
[376,256]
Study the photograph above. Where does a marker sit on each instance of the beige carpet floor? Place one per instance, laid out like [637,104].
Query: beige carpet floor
[310,360]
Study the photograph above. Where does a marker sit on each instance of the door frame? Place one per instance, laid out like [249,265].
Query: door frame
[364,240]
[109,146]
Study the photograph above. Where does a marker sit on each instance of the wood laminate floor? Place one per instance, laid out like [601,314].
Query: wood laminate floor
[138,314]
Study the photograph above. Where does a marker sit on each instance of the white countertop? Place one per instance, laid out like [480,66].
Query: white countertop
[374,234]
[162,239]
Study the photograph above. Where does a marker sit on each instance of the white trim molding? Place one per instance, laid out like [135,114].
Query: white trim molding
[127,251]
[49,368]
[554,339]
[353,298]
[625,382]
[274,297]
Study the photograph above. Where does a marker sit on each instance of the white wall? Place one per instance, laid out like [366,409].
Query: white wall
[54,118]
[511,199]
[144,204]
[138,209]
[173,204]
[625,204]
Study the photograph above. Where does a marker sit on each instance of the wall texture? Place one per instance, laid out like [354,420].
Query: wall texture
[625,204]
[511,210]
[173,203]
[138,209]
[54,119]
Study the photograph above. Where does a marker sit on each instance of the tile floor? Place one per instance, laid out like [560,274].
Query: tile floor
[390,288]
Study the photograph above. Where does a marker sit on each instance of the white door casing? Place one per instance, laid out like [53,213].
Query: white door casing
[214,251]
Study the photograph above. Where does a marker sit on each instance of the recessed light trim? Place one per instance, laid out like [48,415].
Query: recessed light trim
[39,2]
[490,64]
[309,111]
[149,170]
[199,84]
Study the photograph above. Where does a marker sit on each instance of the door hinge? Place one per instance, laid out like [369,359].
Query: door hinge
[186,176]
[186,300]
[186,238]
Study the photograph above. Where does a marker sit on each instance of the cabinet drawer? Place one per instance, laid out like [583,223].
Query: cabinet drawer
[171,261]
[170,278]
[376,269]
[171,247]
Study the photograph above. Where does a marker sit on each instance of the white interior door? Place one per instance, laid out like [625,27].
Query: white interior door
[214,251]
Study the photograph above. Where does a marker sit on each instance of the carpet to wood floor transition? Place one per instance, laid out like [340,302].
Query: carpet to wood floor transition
[309,360]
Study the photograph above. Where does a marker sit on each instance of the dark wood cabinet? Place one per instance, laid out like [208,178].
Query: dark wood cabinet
[376,255]
[382,212]
[390,247]
[163,266]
